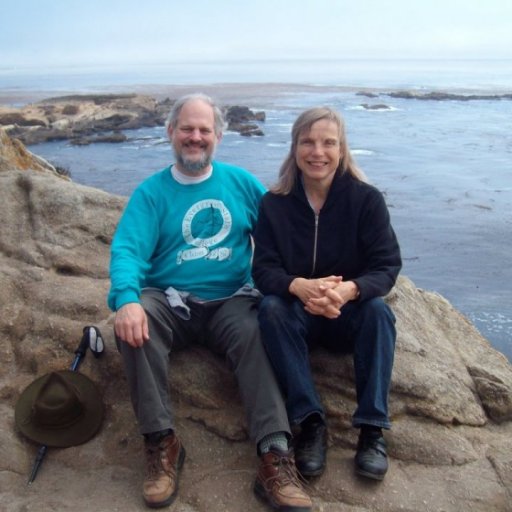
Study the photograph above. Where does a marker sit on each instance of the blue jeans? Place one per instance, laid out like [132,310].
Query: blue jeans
[366,329]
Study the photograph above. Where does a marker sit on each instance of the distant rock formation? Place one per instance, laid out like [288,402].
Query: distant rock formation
[451,399]
[376,106]
[368,94]
[443,96]
[241,119]
[84,119]
[435,96]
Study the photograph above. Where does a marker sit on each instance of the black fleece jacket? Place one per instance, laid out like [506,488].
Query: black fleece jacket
[351,237]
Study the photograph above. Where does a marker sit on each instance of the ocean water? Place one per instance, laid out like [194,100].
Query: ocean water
[444,166]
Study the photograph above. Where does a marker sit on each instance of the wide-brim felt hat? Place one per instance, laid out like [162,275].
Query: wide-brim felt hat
[60,409]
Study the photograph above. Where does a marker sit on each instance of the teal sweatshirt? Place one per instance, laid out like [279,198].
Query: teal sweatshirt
[195,238]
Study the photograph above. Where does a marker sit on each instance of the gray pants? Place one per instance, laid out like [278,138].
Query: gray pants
[229,328]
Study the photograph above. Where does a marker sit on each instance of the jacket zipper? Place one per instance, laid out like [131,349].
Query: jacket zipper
[315,244]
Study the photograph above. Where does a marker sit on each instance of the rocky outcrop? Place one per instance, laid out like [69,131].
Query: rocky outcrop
[114,136]
[375,106]
[368,94]
[442,96]
[436,95]
[451,400]
[14,155]
[84,119]
[81,117]
[242,120]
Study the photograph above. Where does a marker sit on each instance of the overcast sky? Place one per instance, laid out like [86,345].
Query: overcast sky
[91,32]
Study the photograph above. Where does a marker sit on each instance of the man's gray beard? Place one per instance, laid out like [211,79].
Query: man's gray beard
[193,166]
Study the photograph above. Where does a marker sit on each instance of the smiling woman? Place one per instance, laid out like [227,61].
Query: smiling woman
[325,254]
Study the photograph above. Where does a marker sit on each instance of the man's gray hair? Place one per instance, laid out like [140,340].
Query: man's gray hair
[172,118]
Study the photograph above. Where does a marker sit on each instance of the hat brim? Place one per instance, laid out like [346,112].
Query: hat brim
[71,435]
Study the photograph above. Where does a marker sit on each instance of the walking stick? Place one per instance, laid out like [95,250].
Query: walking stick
[93,340]
[37,463]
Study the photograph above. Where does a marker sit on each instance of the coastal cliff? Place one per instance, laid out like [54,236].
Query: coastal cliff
[451,399]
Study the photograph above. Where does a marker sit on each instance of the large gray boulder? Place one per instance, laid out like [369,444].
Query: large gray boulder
[451,399]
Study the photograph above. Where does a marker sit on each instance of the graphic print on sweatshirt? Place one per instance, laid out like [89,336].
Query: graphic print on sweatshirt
[206,224]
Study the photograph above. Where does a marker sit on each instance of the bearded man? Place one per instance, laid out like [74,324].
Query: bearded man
[181,274]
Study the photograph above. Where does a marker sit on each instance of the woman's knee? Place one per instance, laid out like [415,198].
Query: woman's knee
[271,302]
[273,308]
[377,308]
[374,322]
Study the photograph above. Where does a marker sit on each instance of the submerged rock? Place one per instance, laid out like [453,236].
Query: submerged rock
[376,106]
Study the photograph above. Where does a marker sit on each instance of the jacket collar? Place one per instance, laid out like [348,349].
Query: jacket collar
[339,183]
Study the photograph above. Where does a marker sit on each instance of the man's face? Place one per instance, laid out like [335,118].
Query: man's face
[194,139]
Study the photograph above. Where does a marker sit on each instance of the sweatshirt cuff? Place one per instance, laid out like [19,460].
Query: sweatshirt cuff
[125,298]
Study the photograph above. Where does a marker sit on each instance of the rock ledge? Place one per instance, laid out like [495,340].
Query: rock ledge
[451,400]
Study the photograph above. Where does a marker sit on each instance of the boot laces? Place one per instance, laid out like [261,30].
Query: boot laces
[287,473]
[155,455]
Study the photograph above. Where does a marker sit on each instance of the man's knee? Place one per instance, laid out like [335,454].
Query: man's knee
[151,300]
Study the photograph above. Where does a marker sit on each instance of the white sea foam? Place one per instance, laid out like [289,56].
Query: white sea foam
[362,152]
[384,108]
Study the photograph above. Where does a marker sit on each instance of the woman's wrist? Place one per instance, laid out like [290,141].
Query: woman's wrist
[356,292]
[292,287]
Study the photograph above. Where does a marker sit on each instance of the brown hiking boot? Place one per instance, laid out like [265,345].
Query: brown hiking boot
[163,462]
[278,483]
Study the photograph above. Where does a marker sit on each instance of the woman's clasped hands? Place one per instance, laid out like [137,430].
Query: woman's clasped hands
[324,296]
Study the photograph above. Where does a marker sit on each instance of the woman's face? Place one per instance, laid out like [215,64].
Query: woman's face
[318,153]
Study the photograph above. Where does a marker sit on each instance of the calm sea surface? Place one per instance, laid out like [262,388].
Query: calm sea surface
[445,166]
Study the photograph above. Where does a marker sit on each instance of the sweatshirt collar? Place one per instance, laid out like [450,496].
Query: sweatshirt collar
[185,179]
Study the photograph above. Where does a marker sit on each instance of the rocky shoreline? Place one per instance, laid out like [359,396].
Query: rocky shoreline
[88,118]
[85,119]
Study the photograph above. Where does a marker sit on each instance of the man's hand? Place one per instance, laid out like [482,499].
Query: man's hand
[131,324]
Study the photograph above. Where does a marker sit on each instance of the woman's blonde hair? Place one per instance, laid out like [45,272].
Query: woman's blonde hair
[289,170]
